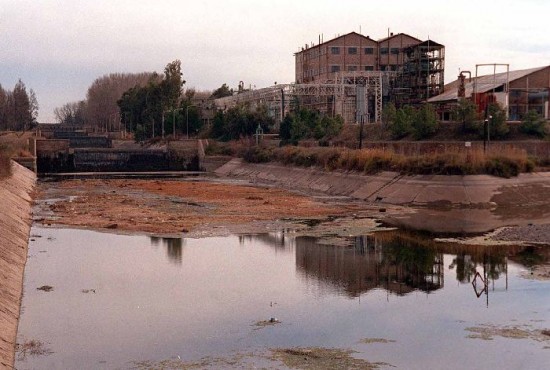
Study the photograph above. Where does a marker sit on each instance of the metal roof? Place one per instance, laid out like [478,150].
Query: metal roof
[484,83]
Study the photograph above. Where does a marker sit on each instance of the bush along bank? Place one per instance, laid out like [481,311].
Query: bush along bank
[508,163]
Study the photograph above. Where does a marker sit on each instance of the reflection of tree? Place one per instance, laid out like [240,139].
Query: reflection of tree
[396,266]
[465,267]
[494,264]
[174,247]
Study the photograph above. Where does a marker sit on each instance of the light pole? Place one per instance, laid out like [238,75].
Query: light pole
[162,125]
[174,121]
[187,118]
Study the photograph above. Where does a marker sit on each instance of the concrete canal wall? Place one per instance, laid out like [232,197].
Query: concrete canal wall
[454,204]
[15,224]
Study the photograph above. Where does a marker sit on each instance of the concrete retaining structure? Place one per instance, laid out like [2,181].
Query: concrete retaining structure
[454,204]
[15,225]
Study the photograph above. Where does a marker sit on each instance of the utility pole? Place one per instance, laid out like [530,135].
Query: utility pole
[361,119]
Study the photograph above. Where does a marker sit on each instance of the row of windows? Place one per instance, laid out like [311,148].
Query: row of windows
[350,68]
[352,50]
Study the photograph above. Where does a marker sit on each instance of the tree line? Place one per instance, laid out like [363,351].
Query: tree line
[18,108]
[100,110]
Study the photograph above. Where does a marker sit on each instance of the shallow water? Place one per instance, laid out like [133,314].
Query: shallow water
[120,299]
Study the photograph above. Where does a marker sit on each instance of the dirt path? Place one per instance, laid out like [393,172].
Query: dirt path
[195,208]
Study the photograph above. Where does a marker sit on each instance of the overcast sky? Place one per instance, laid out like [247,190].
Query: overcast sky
[59,47]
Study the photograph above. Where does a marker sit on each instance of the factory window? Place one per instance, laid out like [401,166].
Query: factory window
[352,68]
[393,67]
[382,67]
[395,50]
[335,68]
[383,51]
[369,51]
[335,50]
[352,51]
[369,68]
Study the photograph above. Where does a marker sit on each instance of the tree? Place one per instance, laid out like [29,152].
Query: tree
[533,124]
[221,92]
[309,124]
[172,84]
[497,123]
[466,113]
[402,123]
[241,121]
[21,107]
[3,108]
[424,122]
[146,105]
[33,107]
[105,91]
[71,113]
[389,113]
[18,109]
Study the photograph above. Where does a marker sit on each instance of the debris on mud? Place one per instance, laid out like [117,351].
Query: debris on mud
[31,348]
[45,288]
[489,332]
[238,361]
[264,323]
[320,358]
[376,340]
[86,291]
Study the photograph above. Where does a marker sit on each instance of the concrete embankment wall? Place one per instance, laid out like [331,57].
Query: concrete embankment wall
[15,224]
[454,204]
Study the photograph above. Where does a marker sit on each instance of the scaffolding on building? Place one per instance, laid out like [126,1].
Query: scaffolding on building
[422,74]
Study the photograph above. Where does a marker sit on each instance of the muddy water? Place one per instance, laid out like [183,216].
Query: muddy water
[118,300]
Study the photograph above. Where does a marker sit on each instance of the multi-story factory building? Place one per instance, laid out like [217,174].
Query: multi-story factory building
[414,68]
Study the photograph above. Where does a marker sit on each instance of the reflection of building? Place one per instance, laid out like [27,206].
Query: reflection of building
[396,267]
[174,247]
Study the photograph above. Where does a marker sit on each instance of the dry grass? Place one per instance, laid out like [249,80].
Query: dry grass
[504,162]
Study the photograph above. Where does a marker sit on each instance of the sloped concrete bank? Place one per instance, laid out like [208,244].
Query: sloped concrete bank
[448,204]
[15,224]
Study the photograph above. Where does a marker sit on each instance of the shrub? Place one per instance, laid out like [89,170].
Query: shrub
[424,122]
[257,154]
[466,114]
[533,124]
[402,124]
[497,123]
[389,113]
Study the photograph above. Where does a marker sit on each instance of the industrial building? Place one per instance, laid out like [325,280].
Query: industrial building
[353,76]
[516,91]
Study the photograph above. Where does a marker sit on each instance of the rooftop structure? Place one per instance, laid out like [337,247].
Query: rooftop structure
[517,91]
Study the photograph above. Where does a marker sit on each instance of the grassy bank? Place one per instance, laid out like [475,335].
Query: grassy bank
[504,163]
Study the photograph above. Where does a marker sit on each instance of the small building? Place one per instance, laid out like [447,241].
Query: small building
[516,91]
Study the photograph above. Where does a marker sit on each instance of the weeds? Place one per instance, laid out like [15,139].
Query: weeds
[504,162]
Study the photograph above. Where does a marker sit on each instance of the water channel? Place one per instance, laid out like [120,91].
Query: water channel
[119,301]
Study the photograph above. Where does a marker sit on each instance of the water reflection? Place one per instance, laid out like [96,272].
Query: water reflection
[174,247]
[279,240]
[371,264]
[401,262]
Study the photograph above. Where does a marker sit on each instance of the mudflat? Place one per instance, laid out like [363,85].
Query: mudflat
[194,208]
